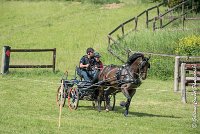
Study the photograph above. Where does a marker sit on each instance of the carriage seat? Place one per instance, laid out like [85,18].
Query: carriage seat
[84,84]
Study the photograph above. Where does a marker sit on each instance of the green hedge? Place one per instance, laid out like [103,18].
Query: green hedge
[188,45]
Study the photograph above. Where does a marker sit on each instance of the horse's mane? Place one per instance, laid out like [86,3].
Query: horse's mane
[133,57]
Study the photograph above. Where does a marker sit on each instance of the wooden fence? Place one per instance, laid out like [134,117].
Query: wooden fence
[36,66]
[178,61]
[189,80]
[133,20]
[168,14]
[6,67]
[158,19]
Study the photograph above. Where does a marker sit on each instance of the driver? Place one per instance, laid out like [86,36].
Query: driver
[86,63]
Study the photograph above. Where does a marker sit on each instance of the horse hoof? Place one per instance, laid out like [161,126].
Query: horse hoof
[122,103]
[126,113]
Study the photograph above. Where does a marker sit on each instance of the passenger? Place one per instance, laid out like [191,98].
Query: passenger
[85,65]
[98,66]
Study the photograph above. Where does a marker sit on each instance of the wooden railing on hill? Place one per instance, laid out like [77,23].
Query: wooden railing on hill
[158,18]
[182,16]
[134,28]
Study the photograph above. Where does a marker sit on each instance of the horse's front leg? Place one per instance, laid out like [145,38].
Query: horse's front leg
[128,94]
[125,89]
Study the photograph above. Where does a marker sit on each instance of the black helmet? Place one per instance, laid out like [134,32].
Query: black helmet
[89,50]
[96,54]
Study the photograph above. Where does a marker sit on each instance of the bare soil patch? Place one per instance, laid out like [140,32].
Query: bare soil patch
[112,6]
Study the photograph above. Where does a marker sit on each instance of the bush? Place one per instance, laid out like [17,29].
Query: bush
[188,46]
[172,3]
[161,68]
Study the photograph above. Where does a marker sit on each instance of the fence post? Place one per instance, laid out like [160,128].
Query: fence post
[183,18]
[136,21]
[158,11]
[54,59]
[147,19]
[176,74]
[154,24]
[5,60]
[183,80]
[109,41]
[122,29]
[161,22]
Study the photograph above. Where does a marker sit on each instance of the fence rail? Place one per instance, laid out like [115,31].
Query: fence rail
[32,50]
[6,59]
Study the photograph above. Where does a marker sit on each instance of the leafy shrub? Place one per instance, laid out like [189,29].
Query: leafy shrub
[172,3]
[161,68]
[188,45]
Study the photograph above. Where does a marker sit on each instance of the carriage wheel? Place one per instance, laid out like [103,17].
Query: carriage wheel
[112,101]
[73,98]
[61,96]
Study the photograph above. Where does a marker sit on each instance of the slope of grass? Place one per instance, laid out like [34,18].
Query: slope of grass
[70,27]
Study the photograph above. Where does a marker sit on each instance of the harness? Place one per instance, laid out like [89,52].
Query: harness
[124,74]
[127,77]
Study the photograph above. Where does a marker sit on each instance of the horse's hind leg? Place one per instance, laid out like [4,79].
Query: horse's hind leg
[99,99]
[108,92]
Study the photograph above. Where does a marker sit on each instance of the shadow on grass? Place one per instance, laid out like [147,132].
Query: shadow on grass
[120,110]
[151,115]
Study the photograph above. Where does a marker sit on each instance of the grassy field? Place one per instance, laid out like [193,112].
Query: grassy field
[27,97]
[30,107]
[70,27]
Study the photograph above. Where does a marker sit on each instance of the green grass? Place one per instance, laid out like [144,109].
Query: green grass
[27,105]
[27,96]
[70,27]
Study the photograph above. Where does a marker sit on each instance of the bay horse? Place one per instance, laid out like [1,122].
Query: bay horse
[125,79]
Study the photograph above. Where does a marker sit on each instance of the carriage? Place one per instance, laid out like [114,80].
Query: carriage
[111,80]
[76,89]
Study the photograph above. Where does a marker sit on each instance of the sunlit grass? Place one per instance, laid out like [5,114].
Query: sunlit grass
[27,96]
[70,27]
[30,107]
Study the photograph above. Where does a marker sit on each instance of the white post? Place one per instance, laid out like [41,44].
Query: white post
[176,74]
[183,80]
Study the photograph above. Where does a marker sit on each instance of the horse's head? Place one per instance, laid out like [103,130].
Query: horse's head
[139,65]
[143,68]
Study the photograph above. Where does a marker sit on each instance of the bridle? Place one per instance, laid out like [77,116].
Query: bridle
[141,65]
